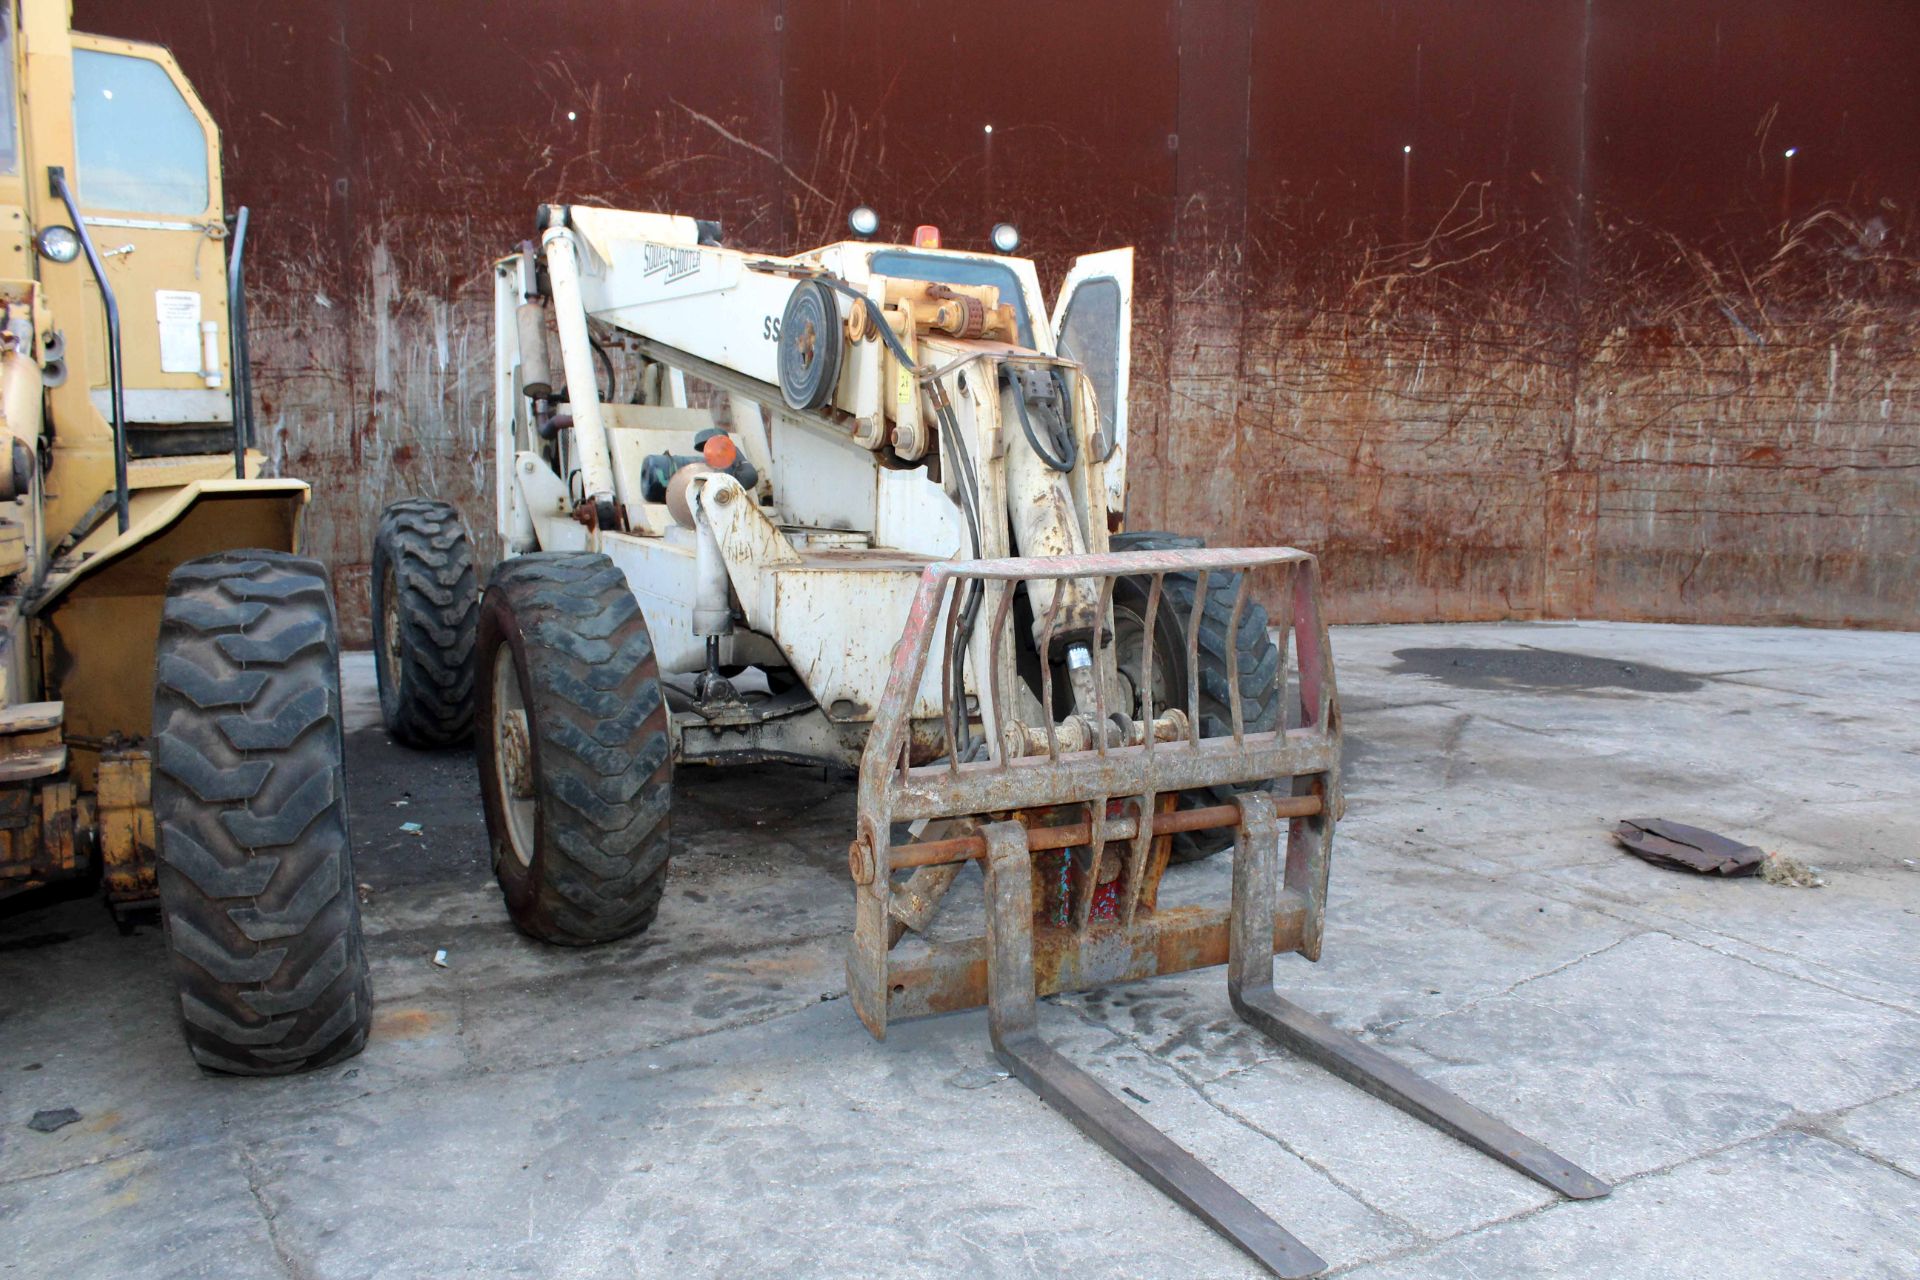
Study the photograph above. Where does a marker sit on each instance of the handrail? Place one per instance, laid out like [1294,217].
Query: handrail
[237,336]
[116,379]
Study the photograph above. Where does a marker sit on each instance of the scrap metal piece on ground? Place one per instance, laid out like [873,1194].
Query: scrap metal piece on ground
[58,1118]
[1674,844]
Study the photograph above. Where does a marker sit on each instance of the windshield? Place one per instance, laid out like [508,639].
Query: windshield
[939,269]
[9,149]
[137,144]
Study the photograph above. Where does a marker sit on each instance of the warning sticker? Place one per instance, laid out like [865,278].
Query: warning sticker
[179,311]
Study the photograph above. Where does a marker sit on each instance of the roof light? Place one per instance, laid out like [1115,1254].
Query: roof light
[1006,237]
[863,221]
[926,237]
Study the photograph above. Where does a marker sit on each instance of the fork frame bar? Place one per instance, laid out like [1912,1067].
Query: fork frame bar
[893,791]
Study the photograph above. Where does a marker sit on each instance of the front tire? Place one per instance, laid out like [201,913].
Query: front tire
[1258,656]
[426,605]
[575,759]
[250,817]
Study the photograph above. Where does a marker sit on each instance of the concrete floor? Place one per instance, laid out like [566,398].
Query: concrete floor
[1742,1059]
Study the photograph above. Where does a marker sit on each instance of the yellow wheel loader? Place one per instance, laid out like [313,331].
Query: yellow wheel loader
[170,726]
[893,537]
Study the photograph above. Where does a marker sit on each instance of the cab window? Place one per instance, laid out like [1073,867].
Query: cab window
[137,146]
[9,149]
[969,271]
[1090,333]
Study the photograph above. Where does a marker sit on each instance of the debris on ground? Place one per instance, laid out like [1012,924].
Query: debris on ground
[1674,844]
[412,828]
[1781,869]
[977,1078]
[58,1118]
[440,958]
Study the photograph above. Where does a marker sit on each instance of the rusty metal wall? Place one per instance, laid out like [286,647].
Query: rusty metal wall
[1509,309]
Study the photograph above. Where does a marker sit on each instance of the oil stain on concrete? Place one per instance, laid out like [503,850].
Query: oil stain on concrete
[1533,669]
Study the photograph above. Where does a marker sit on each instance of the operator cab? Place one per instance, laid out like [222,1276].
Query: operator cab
[140,154]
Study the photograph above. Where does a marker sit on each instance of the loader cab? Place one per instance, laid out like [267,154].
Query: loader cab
[954,268]
[146,173]
[139,153]
[1091,322]
[142,157]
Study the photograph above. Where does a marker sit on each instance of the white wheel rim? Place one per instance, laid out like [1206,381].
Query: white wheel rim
[390,629]
[512,757]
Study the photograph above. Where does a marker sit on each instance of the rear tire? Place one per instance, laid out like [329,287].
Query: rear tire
[250,817]
[575,761]
[1259,661]
[426,605]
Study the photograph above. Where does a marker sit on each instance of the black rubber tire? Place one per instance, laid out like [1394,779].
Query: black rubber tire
[250,816]
[426,609]
[601,771]
[1259,661]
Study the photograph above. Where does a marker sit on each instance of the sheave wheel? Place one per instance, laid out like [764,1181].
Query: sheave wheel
[426,604]
[250,816]
[575,766]
[1259,660]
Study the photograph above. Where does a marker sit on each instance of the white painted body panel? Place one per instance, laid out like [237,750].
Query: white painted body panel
[824,557]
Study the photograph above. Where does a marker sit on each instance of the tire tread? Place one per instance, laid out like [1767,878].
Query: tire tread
[604,773]
[425,544]
[1257,656]
[255,859]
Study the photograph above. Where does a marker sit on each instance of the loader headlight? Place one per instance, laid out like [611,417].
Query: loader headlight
[863,222]
[58,244]
[1006,237]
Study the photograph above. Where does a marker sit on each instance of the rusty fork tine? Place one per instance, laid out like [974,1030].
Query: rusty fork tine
[1096,851]
[1139,849]
[1013,1022]
[1099,667]
[996,685]
[1147,710]
[1284,630]
[1046,667]
[947,691]
[1142,845]
[1233,657]
[1193,658]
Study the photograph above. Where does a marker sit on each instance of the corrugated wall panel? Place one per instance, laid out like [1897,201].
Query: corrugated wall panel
[1584,350]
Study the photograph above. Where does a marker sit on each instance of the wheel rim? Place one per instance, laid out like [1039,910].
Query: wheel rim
[1129,633]
[513,772]
[389,630]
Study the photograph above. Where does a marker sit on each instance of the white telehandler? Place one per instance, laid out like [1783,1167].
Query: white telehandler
[891,538]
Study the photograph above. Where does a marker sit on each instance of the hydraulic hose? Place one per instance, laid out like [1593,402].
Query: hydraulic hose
[1072,446]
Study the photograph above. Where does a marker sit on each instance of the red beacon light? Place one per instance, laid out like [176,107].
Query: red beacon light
[926,237]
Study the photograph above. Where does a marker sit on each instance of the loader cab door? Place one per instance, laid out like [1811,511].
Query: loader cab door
[147,179]
[1093,324]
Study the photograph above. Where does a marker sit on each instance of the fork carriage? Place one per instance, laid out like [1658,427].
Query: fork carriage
[1081,794]
[1073,818]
